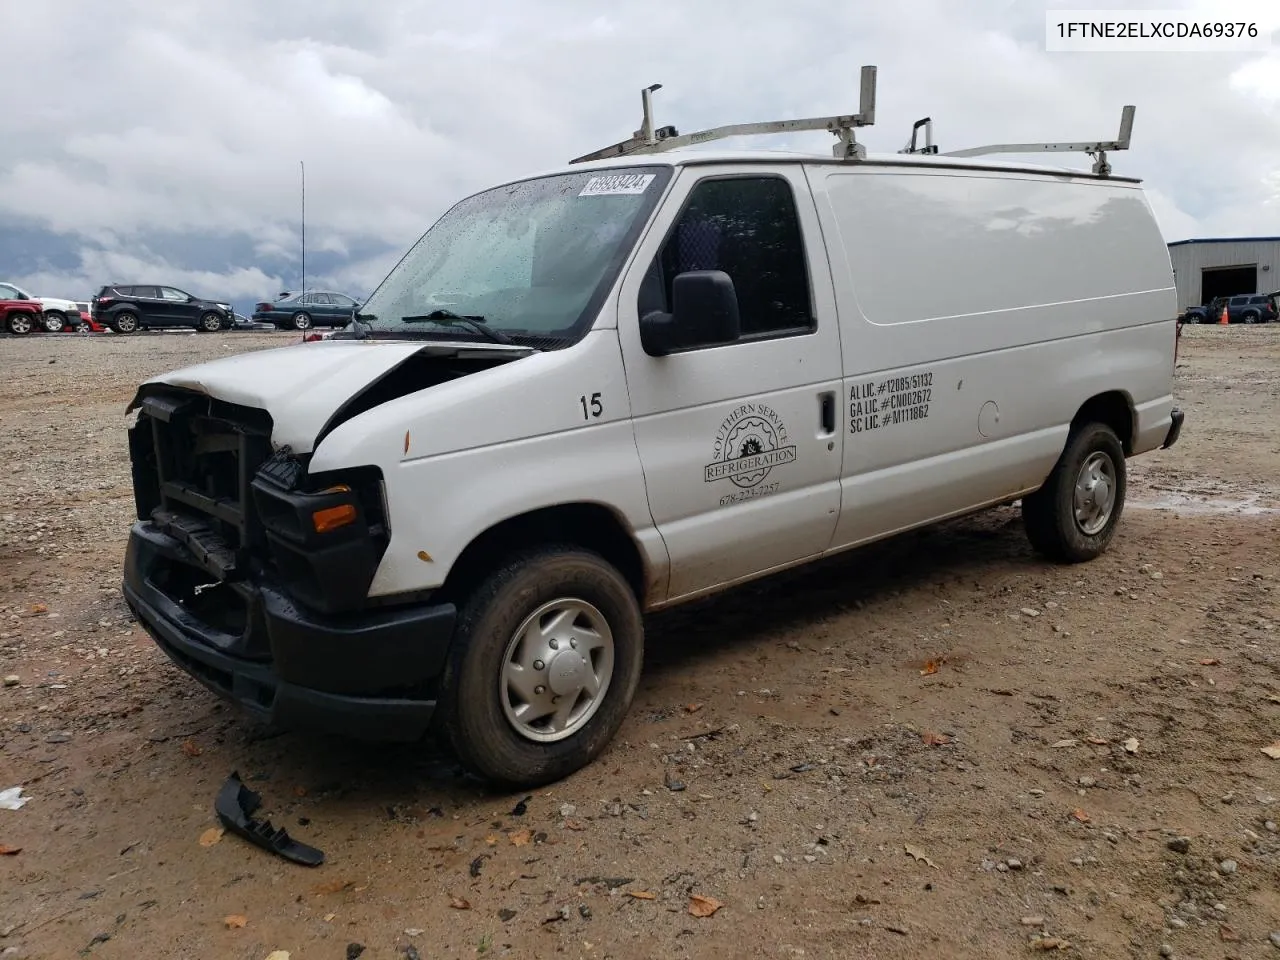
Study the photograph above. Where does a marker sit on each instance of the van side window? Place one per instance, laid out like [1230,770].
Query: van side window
[747,227]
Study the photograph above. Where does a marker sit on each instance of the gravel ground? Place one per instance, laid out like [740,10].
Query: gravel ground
[936,746]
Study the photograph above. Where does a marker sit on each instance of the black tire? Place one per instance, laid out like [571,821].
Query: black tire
[54,321]
[1050,514]
[125,322]
[472,711]
[21,322]
[210,322]
[1251,317]
[301,321]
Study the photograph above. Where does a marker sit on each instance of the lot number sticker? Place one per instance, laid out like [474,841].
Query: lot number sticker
[617,185]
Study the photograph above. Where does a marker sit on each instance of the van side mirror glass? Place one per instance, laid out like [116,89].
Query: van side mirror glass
[704,313]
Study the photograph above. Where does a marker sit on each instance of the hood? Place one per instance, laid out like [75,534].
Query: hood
[55,303]
[306,387]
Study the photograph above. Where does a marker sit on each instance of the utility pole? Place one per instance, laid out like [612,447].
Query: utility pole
[303,165]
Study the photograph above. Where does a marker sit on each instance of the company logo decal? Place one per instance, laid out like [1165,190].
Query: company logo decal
[750,443]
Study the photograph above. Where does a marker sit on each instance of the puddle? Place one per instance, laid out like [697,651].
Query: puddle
[1187,503]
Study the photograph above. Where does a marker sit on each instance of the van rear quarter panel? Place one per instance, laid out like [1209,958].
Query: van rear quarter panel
[978,312]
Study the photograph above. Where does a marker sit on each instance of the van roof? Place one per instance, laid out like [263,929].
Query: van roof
[692,157]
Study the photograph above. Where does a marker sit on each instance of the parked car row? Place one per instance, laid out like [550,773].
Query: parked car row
[1242,308]
[128,308]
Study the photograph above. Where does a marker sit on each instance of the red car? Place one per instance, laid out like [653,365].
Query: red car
[19,316]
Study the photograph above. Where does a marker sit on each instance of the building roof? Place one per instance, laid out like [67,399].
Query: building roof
[1178,243]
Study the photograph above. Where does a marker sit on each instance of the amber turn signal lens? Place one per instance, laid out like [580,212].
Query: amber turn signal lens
[330,518]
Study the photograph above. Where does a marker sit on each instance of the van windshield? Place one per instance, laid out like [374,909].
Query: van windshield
[531,260]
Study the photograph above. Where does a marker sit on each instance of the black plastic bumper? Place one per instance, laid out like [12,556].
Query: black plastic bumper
[1174,429]
[359,675]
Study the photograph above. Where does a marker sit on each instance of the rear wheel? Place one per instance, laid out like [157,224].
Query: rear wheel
[125,322]
[211,322]
[543,668]
[54,321]
[21,322]
[302,321]
[1251,317]
[1073,517]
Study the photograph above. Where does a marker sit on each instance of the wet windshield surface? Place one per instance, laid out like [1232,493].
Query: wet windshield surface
[530,261]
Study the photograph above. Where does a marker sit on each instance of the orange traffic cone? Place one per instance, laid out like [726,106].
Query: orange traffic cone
[1223,320]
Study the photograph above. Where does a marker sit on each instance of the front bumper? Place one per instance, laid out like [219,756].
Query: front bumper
[367,675]
[1175,429]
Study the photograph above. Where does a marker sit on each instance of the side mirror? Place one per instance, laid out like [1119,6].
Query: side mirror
[704,313]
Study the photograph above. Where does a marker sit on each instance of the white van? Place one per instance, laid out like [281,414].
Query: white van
[611,388]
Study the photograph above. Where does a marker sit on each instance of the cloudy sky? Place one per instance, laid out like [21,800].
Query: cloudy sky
[160,140]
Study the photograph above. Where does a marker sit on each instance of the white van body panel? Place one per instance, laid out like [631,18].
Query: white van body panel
[1042,292]
[463,456]
[694,410]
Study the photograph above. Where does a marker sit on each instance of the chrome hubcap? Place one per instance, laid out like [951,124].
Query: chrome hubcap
[556,670]
[1095,493]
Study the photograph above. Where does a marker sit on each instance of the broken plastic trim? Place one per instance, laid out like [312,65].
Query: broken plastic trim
[235,806]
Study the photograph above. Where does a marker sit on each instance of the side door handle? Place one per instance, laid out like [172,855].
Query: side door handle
[827,408]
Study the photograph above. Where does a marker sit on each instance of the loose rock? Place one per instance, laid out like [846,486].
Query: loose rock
[1179,844]
[1228,866]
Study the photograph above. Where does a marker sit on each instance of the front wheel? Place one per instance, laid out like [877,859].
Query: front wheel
[125,323]
[1073,517]
[211,323]
[543,668]
[54,321]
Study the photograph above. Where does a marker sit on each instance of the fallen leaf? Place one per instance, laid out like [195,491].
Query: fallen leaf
[935,739]
[575,825]
[1066,743]
[235,921]
[328,917]
[459,904]
[642,894]
[1273,751]
[191,748]
[211,836]
[521,838]
[492,839]
[9,851]
[700,906]
[1131,745]
[1097,741]
[1228,935]
[278,955]
[692,707]
[1050,943]
[1080,815]
[39,608]
[1209,663]
[915,853]
[333,886]
[930,667]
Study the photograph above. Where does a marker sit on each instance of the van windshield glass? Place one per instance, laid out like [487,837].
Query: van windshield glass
[530,260]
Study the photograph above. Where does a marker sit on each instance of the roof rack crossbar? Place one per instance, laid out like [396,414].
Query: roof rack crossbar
[652,139]
[1097,149]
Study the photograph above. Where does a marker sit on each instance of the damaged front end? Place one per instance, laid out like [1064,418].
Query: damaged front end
[253,575]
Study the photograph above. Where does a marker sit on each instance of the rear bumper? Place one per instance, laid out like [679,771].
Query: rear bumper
[366,675]
[1175,428]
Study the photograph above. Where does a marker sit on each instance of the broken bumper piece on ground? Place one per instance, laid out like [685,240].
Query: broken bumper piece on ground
[235,806]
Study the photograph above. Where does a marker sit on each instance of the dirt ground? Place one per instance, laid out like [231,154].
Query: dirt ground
[1078,768]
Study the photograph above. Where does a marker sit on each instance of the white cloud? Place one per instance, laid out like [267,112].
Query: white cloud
[192,116]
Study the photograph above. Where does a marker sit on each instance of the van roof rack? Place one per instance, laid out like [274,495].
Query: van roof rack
[651,139]
[1096,149]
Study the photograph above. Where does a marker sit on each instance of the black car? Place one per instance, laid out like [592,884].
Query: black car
[302,311]
[128,308]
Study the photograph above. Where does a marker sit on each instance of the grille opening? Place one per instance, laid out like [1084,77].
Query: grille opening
[216,605]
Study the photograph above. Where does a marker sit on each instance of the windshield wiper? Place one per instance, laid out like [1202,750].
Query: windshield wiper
[448,317]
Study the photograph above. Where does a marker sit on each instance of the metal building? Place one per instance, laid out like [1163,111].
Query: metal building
[1225,267]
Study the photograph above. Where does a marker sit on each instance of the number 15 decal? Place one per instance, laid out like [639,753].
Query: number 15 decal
[591,406]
